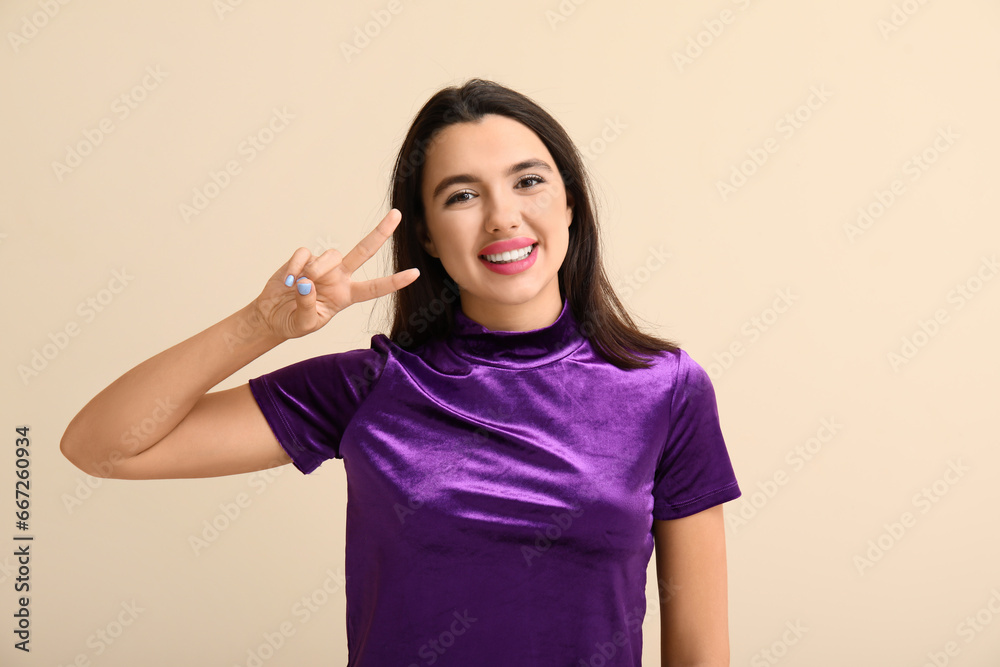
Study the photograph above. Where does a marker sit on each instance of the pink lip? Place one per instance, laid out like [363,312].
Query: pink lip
[507,245]
[511,267]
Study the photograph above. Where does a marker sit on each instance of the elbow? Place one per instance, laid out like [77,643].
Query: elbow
[73,447]
[69,449]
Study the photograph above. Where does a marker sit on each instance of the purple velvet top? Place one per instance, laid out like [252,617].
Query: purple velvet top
[501,489]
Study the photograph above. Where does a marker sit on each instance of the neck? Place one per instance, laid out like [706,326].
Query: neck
[539,313]
[516,349]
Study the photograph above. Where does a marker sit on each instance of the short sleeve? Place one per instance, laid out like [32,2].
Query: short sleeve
[309,404]
[694,471]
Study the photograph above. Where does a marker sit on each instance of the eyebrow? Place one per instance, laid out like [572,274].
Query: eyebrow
[532,163]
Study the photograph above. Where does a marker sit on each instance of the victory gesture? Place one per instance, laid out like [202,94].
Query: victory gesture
[307,291]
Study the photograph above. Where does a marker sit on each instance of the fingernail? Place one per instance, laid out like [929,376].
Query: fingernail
[304,288]
[289,280]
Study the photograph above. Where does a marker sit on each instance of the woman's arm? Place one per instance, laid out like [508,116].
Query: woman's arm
[694,607]
[157,421]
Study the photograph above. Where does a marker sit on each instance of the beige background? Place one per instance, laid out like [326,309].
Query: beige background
[661,134]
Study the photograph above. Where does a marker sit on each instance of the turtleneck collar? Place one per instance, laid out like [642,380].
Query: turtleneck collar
[515,349]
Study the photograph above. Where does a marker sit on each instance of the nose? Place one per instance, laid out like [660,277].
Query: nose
[503,212]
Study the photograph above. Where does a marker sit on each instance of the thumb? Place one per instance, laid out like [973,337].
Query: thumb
[305,305]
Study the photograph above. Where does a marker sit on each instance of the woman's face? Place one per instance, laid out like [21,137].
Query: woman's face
[495,181]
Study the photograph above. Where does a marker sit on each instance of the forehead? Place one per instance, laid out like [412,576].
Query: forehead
[492,143]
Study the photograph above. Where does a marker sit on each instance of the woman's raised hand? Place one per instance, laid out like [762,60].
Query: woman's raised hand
[307,291]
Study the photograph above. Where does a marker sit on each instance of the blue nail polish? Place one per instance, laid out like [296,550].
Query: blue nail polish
[289,280]
[304,288]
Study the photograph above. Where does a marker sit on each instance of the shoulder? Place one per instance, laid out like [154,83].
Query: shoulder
[688,369]
[681,377]
[680,365]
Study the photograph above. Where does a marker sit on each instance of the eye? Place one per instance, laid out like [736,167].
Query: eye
[455,197]
[530,177]
[527,178]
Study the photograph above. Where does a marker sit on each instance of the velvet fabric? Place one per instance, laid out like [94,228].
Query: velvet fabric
[501,489]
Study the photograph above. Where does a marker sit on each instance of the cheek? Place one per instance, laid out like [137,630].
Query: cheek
[453,238]
[554,205]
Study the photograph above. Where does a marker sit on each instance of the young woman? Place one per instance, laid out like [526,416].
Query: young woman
[514,449]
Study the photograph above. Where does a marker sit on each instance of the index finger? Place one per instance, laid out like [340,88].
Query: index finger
[370,244]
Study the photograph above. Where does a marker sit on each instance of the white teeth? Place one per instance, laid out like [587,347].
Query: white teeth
[510,256]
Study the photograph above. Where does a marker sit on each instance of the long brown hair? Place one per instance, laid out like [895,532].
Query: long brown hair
[425,309]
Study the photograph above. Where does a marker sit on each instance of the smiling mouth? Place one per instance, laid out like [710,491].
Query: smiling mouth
[518,255]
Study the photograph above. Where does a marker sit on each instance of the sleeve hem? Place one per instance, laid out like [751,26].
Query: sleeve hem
[666,511]
[261,391]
